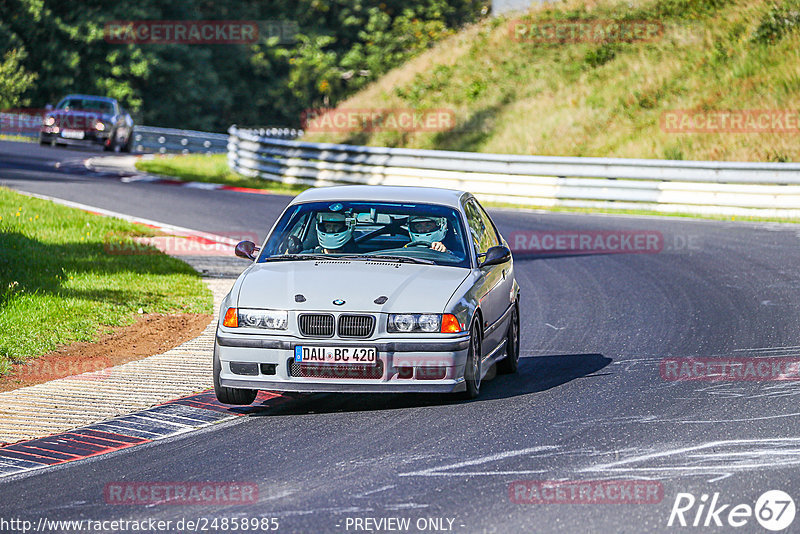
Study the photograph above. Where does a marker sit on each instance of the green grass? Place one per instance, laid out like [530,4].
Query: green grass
[602,99]
[59,284]
[18,138]
[210,169]
[642,212]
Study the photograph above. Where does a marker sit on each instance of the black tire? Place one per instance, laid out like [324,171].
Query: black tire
[128,143]
[510,363]
[226,395]
[472,369]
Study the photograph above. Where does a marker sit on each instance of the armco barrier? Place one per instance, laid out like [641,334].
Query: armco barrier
[699,187]
[169,140]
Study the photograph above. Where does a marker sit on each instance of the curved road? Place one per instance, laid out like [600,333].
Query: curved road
[589,402]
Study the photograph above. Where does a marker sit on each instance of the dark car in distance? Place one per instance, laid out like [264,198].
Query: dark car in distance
[88,119]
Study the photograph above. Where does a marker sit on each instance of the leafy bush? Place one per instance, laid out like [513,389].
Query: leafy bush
[777,22]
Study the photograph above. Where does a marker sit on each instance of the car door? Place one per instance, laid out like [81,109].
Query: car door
[504,290]
[484,237]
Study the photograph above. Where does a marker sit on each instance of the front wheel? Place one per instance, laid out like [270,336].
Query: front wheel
[472,370]
[128,143]
[509,364]
[226,395]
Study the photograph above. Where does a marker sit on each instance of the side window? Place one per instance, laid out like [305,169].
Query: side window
[493,236]
[482,235]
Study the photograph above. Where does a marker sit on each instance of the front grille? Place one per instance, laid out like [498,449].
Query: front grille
[356,325]
[364,372]
[316,325]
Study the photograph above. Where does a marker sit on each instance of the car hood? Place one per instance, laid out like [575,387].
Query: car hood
[408,287]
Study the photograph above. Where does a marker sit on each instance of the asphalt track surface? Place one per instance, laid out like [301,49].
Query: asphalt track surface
[589,402]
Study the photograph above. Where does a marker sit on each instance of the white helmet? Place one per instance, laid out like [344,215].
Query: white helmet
[427,229]
[333,230]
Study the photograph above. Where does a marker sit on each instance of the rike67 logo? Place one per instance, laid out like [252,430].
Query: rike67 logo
[774,510]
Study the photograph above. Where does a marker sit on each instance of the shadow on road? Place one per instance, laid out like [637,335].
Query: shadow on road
[536,374]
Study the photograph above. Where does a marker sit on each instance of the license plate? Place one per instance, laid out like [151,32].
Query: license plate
[72,134]
[339,355]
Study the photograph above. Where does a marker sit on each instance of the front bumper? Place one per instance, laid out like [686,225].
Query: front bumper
[90,137]
[444,355]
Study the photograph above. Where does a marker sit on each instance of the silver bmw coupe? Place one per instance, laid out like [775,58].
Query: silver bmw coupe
[369,289]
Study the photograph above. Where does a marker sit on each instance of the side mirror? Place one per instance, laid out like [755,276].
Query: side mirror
[496,256]
[246,250]
[49,107]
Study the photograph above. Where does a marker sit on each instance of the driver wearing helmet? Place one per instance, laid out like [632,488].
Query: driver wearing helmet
[429,231]
[335,233]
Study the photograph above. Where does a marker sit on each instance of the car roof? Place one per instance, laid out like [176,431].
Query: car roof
[382,193]
[92,97]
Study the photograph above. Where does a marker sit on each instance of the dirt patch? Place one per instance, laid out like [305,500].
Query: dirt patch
[152,333]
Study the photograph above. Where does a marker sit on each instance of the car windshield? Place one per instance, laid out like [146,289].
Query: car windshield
[408,232]
[86,104]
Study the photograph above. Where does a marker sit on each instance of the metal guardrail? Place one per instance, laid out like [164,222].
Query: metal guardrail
[698,187]
[168,140]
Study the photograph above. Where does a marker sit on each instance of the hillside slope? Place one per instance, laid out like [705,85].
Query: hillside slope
[537,96]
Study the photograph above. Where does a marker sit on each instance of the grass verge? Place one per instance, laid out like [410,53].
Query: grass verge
[18,138]
[60,284]
[603,97]
[641,213]
[210,169]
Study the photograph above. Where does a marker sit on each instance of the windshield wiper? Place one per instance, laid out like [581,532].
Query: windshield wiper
[346,257]
[296,257]
[399,259]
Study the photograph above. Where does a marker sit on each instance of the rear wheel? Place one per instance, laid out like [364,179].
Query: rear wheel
[509,364]
[228,395]
[472,370]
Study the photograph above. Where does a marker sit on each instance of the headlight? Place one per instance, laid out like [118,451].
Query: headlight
[99,126]
[423,323]
[248,318]
[402,323]
[429,323]
[49,121]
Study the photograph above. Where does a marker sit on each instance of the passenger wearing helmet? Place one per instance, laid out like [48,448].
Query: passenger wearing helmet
[335,233]
[428,231]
